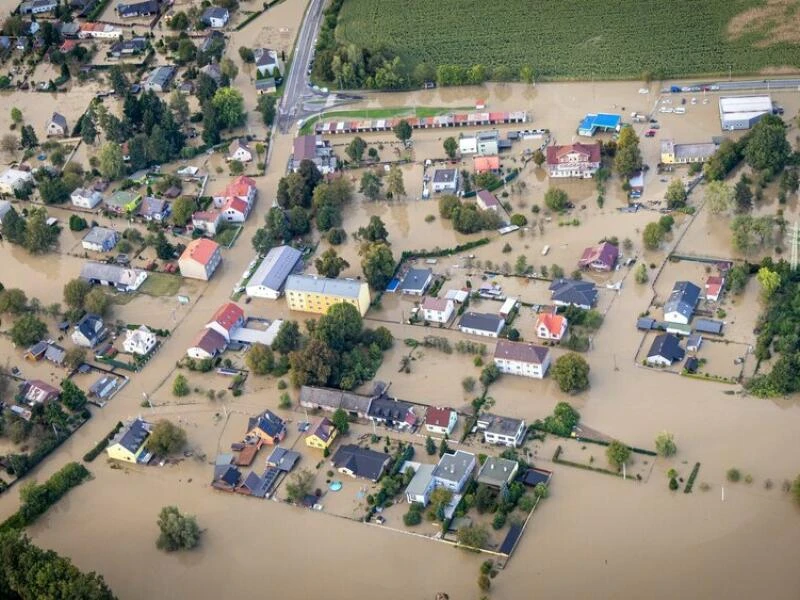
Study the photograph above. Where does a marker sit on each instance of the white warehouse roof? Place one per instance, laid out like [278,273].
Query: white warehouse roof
[744,107]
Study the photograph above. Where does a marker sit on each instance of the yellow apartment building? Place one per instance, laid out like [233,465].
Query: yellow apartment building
[308,293]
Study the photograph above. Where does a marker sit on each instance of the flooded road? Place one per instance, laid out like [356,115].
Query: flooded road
[621,539]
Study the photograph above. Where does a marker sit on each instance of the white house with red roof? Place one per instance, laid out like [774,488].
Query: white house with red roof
[242,187]
[235,210]
[573,160]
[207,220]
[200,259]
[440,420]
[226,319]
[207,344]
[714,286]
[437,310]
[550,326]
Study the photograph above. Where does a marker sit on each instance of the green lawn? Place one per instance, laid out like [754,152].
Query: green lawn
[161,284]
[227,235]
[379,113]
[581,39]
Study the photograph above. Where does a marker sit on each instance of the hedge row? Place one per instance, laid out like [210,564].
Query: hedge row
[692,477]
[569,463]
[444,252]
[102,444]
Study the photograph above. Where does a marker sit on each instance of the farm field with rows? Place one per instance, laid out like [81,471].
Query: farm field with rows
[583,39]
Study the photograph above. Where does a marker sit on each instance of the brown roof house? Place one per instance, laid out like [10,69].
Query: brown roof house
[36,391]
[602,257]
[522,358]
[574,160]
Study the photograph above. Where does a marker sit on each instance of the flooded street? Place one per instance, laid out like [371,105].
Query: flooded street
[595,536]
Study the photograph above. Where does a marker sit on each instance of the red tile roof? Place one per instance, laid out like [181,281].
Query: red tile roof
[240,186]
[554,153]
[200,250]
[228,315]
[605,253]
[236,204]
[551,321]
[438,416]
[486,163]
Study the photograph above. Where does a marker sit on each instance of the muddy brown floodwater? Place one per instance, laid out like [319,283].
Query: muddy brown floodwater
[595,536]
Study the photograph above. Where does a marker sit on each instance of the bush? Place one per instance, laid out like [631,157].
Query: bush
[733,475]
[673,484]
[178,532]
[499,521]
[665,444]
[468,383]
[102,444]
[412,517]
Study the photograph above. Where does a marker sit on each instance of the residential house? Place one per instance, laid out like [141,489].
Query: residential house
[158,79]
[242,187]
[101,31]
[440,420]
[235,210]
[37,7]
[239,150]
[105,387]
[212,38]
[482,143]
[200,259]
[36,352]
[266,86]
[123,201]
[207,221]
[36,391]
[361,462]
[322,435]
[551,326]
[573,292]
[317,150]
[484,324]
[226,319]
[664,351]
[268,63]
[131,47]
[154,209]
[89,331]
[121,278]
[71,30]
[392,413]
[308,293]
[206,345]
[13,179]
[330,400]
[68,46]
[497,472]
[503,431]
[139,341]
[213,71]
[437,310]
[215,16]
[573,160]
[100,239]
[602,257]
[487,200]
[142,8]
[270,276]
[55,354]
[85,198]
[454,471]
[226,478]
[486,164]
[681,303]
[714,286]
[57,125]
[510,304]
[421,485]
[415,282]
[708,326]
[521,358]
[129,443]
[445,180]
[268,427]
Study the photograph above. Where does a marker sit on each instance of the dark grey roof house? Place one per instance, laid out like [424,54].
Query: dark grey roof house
[283,459]
[487,324]
[393,412]
[137,9]
[89,331]
[415,282]
[361,462]
[573,292]
[267,424]
[708,326]
[330,400]
[681,303]
[665,350]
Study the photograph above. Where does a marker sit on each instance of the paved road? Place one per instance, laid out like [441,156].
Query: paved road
[297,79]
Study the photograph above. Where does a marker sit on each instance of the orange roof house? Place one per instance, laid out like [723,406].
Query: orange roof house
[486,164]
[200,259]
[550,326]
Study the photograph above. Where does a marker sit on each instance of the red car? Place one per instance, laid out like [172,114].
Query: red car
[650,133]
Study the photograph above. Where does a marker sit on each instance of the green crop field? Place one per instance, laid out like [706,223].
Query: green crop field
[580,39]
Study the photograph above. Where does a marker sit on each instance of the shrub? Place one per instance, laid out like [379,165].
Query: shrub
[665,444]
[499,521]
[673,484]
[178,531]
[733,475]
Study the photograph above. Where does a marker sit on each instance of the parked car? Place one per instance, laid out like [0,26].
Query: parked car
[650,133]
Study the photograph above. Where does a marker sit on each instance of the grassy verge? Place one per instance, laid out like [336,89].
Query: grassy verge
[161,284]
[380,113]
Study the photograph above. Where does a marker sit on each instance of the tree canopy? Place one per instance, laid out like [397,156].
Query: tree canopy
[178,531]
[378,264]
[571,371]
[166,438]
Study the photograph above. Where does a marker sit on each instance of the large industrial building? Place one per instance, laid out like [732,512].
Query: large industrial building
[742,112]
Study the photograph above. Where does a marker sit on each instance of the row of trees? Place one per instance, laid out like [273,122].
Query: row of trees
[33,233]
[466,216]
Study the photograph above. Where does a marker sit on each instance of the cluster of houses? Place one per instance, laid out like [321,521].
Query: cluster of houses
[127,202]
[233,205]
[228,328]
[680,321]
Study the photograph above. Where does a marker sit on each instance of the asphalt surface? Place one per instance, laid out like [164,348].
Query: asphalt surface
[297,82]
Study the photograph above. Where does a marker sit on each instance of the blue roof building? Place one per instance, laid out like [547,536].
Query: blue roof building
[592,123]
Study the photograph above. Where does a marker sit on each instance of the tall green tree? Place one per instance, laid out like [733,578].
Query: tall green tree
[403,130]
[571,372]
[374,231]
[330,264]
[719,197]
[166,438]
[378,265]
[355,149]
[27,330]
[628,158]
[450,147]
[111,163]
[178,531]
[340,328]
[229,104]
[370,185]
[394,183]
[767,146]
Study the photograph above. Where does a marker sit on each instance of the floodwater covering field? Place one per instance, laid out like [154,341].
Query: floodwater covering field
[589,40]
